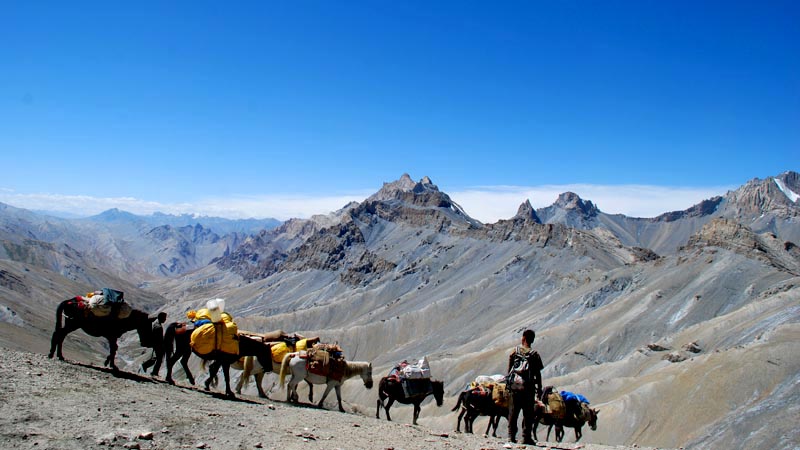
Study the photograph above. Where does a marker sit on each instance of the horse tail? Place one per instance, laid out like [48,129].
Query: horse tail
[247,367]
[60,313]
[460,400]
[284,368]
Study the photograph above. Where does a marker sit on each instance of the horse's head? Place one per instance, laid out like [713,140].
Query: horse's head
[438,391]
[593,418]
[367,376]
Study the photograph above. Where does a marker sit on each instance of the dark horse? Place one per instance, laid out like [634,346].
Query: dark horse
[479,403]
[177,347]
[571,420]
[109,327]
[390,387]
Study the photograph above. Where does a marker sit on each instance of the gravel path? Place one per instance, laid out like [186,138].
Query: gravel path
[49,404]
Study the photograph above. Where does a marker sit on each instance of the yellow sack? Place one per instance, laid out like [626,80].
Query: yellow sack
[222,336]
[280,349]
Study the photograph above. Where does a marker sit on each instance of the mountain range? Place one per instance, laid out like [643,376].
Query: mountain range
[681,328]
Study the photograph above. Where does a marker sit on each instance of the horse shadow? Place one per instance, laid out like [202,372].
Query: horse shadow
[142,378]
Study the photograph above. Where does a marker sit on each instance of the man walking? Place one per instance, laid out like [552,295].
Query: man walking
[524,381]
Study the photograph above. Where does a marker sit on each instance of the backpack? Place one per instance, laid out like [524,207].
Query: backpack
[113,296]
[518,376]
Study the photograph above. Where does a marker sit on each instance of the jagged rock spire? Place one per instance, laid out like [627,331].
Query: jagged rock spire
[526,211]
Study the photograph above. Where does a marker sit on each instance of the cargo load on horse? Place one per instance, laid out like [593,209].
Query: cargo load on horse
[105,302]
[326,360]
[415,378]
[566,409]
[290,345]
[554,403]
[487,395]
[215,330]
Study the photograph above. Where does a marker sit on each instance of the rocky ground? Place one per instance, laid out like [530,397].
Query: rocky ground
[49,404]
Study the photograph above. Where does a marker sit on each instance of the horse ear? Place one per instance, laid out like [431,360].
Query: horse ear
[597,411]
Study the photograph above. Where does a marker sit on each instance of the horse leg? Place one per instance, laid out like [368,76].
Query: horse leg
[185,365]
[291,390]
[328,388]
[240,383]
[310,392]
[56,342]
[489,426]
[226,371]
[338,389]
[549,428]
[380,405]
[260,379]
[388,406]
[578,434]
[469,420]
[458,421]
[112,346]
[416,413]
[212,375]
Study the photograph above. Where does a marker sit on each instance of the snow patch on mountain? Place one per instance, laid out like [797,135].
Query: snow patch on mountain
[793,196]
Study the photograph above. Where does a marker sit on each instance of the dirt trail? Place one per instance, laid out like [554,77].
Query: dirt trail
[49,404]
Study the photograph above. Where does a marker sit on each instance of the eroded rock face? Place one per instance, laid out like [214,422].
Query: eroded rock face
[733,236]
[704,208]
[767,196]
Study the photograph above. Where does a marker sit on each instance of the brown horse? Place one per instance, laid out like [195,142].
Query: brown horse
[390,387]
[478,403]
[110,327]
[571,420]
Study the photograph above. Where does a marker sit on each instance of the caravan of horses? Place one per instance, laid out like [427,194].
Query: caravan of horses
[211,334]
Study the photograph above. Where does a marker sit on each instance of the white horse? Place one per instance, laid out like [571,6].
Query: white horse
[297,365]
[250,366]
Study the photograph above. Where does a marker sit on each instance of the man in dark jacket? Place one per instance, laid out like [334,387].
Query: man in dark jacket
[524,382]
[157,339]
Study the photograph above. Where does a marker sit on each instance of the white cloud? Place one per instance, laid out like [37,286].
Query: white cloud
[280,207]
[485,203]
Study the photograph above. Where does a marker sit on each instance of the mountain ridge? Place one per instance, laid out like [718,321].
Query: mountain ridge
[407,273]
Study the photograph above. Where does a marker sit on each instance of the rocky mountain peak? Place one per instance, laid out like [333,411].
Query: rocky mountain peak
[778,195]
[526,211]
[571,201]
[114,215]
[397,189]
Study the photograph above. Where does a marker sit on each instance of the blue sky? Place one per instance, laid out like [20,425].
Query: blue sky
[286,109]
